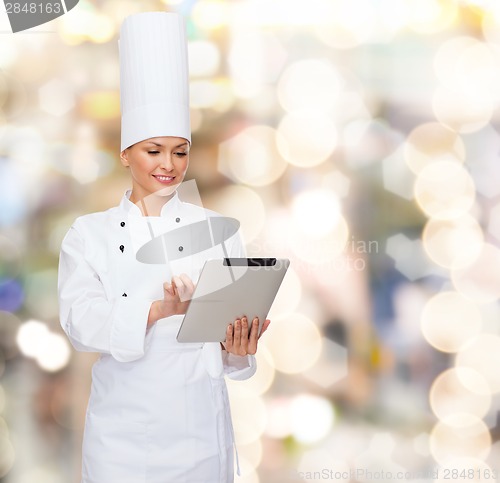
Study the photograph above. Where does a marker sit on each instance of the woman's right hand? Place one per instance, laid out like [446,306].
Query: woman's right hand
[176,298]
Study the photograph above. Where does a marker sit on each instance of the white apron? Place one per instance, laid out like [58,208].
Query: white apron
[158,410]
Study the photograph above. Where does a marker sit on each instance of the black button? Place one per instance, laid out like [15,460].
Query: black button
[122,248]
[124,294]
[177,220]
[181,248]
[122,223]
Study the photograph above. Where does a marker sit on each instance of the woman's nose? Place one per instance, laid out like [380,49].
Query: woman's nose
[166,162]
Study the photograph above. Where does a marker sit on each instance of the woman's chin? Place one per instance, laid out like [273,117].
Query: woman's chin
[167,191]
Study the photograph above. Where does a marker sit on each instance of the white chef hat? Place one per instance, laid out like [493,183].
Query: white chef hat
[154,80]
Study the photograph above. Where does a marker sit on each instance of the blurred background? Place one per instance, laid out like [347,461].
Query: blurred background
[360,139]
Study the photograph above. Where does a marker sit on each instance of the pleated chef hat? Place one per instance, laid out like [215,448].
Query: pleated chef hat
[154,80]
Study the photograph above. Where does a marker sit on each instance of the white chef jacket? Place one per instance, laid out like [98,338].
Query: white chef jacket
[158,410]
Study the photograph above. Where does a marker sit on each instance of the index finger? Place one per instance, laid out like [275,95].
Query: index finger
[187,282]
[167,287]
[182,290]
[254,330]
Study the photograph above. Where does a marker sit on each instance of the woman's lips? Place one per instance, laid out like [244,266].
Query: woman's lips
[164,179]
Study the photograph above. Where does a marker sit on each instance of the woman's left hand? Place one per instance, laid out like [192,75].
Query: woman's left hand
[238,341]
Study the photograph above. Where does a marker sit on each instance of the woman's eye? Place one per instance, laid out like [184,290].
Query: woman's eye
[180,154]
[154,152]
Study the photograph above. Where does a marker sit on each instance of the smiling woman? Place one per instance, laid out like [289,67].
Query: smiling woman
[157,167]
[144,419]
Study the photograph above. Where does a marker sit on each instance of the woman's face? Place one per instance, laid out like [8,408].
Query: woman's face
[157,165]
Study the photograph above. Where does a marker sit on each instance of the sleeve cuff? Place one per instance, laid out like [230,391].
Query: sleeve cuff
[238,367]
[129,338]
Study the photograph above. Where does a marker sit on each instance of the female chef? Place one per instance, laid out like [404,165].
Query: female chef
[158,410]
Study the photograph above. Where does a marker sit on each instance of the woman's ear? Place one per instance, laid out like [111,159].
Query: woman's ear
[124,158]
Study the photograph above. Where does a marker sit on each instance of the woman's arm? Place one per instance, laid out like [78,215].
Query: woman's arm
[92,322]
[177,295]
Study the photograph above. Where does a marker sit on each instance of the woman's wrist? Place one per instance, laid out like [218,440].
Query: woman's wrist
[157,311]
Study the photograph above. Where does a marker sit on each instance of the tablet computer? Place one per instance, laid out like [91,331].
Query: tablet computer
[228,289]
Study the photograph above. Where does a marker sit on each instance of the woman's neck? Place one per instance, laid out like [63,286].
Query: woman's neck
[150,205]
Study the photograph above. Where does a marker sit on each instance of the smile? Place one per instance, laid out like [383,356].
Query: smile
[164,179]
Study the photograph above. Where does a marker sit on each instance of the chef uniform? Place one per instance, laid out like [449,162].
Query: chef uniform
[158,410]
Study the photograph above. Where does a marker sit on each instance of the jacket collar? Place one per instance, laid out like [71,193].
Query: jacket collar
[171,207]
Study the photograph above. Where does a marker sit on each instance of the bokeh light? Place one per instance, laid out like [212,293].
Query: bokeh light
[458,436]
[491,23]
[449,396]
[255,58]
[8,54]
[331,366]
[49,349]
[211,14]
[56,97]
[348,24]
[481,354]
[54,352]
[321,250]
[287,335]
[269,13]
[251,453]
[309,209]
[453,243]
[431,16]
[307,138]
[204,58]
[245,205]
[263,378]
[314,237]
[100,105]
[480,71]
[480,280]
[248,413]
[447,57]
[215,94]
[337,182]
[312,418]
[444,190]
[252,156]
[449,321]
[86,25]
[278,424]
[289,295]
[309,85]
[29,335]
[464,112]
[430,142]
[466,65]
[83,163]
